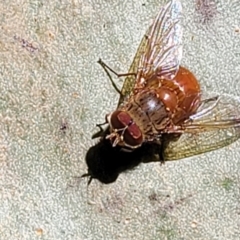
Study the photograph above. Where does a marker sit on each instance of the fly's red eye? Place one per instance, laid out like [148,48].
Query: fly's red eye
[133,136]
[115,121]
[122,122]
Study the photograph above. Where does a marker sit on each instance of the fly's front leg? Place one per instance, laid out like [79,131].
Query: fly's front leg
[107,69]
[101,131]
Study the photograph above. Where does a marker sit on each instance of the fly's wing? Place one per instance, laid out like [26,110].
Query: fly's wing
[163,50]
[210,128]
[160,50]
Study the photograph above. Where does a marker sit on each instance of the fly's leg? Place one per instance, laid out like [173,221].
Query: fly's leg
[107,69]
[101,131]
[105,66]
[159,145]
[155,149]
[159,148]
[161,155]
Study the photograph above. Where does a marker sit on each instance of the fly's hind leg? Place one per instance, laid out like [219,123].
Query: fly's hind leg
[153,152]
[161,155]
[159,145]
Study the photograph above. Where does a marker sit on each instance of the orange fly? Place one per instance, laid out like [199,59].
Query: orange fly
[162,113]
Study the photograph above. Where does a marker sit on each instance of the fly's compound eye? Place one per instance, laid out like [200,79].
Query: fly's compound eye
[127,132]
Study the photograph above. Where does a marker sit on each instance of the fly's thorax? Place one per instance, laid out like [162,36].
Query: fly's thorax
[157,116]
[124,131]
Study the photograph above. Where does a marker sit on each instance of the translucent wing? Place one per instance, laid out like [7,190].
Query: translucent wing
[163,50]
[214,128]
[160,50]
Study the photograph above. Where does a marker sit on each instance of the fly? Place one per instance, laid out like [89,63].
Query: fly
[162,113]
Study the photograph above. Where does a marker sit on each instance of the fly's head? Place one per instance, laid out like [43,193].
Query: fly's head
[124,131]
